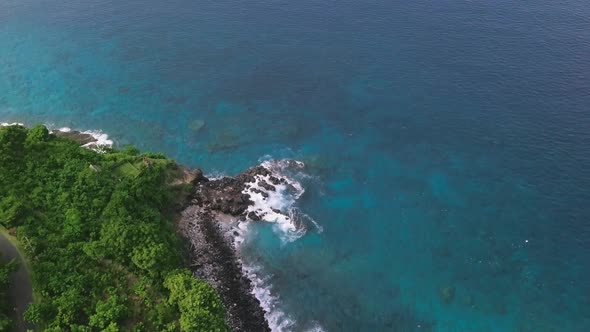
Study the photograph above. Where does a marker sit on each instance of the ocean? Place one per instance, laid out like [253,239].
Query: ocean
[446,184]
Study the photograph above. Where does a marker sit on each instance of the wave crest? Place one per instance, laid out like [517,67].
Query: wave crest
[276,206]
[276,203]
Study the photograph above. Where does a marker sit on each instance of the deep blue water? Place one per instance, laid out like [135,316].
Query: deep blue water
[446,142]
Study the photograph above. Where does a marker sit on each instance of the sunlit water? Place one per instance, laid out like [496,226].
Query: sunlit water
[446,143]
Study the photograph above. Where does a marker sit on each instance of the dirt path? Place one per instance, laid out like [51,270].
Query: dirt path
[21,292]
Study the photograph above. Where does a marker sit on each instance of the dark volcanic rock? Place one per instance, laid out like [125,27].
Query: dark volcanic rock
[77,136]
[258,191]
[226,194]
[185,175]
[199,177]
[214,260]
[213,257]
[266,185]
[252,215]
[276,181]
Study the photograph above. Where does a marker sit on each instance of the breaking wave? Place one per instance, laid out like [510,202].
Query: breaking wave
[277,203]
[101,142]
[276,206]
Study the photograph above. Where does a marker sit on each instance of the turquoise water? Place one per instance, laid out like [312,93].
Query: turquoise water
[446,143]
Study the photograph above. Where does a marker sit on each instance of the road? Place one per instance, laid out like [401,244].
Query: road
[21,291]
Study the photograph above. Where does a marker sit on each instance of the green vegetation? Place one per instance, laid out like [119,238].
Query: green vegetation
[6,321]
[97,231]
[127,169]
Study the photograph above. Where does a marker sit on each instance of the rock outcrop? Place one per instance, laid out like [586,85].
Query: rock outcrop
[81,138]
[212,254]
[226,195]
[213,259]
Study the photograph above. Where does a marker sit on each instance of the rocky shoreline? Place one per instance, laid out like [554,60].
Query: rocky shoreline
[213,259]
[80,137]
[212,254]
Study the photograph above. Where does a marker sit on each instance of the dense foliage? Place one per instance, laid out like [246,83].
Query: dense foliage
[6,322]
[95,227]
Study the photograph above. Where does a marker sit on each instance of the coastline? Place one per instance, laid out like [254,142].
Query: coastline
[211,256]
[92,139]
[208,223]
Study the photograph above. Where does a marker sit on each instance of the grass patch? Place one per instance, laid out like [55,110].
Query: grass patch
[127,170]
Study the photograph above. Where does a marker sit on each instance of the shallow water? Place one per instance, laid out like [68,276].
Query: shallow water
[445,143]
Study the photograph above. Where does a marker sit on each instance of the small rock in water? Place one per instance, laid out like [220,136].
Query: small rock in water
[447,294]
[266,185]
[500,308]
[258,191]
[252,215]
[224,141]
[199,177]
[81,138]
[274,180]
[319,164]
[196,125]
[467,300]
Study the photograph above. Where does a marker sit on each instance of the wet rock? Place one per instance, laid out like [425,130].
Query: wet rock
[183,175]
[274,180]
[224,141]
[196,125]
[77,136]
[468,300]
[258,191]
[447,294]
[199,177]
[212,258]
[245,198]
[212,254]
[319,164]
[253,216]
[226,194]
[500,308]
[266,185]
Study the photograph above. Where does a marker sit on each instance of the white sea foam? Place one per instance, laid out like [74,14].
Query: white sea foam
[279,208]
[316,328]
[102,140]
[6,124]
[278,320]
[215,175]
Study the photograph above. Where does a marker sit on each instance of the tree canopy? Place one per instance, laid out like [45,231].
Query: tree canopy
[6,321]
[98,232]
